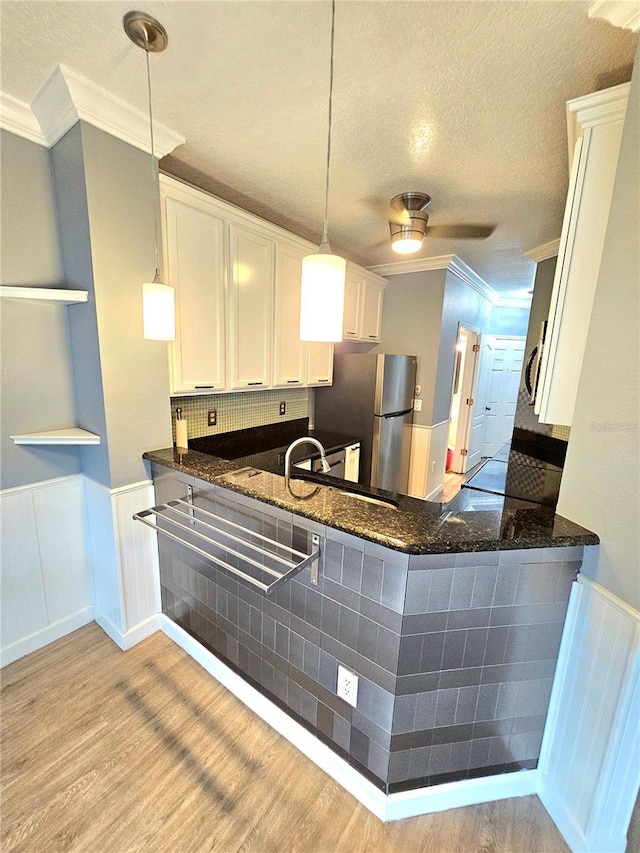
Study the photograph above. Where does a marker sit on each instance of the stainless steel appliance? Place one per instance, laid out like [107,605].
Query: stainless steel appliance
[372,398]
[335,461]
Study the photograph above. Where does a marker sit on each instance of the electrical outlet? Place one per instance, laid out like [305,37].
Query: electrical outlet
[283,407]
[417,405]
[433,465]
[213,417]
[347,688]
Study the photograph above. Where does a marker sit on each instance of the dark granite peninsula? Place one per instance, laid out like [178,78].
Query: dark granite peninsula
[450,616]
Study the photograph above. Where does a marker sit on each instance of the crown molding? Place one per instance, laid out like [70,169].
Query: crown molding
[597,108]
[620,13]
[440,262]
[67,98]
[507,302]
[16,117]
[543,252]
[465,273]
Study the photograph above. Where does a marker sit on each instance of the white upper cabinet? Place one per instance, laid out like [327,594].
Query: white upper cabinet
[363,300]
[595,128]
[250,308]
[195,266]
[289,352]
[319,363]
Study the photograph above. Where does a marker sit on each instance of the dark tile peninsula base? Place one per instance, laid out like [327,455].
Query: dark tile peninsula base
[455,652]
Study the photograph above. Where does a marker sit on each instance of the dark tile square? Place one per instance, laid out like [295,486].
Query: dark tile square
[352,569]
[333,561]
[359,746]
[330,617]
[324,720]
[348,627]
[393,587]
[432,650]
[372,571]
[296,650]
[425,715]
[440,590]
[475,647]
[311,664]
[454,643]
[313,607]
[282,641]
[367,638]
[387,650]
[411,654]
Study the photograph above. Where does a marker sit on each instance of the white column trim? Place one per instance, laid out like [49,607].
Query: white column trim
[544,251]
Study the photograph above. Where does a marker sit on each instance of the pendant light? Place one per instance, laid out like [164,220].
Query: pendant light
[158,299]
[323,274]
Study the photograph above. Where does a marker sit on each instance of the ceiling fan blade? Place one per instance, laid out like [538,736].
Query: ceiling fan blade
[461,232]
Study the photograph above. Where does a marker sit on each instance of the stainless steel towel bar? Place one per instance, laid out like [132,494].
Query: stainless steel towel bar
[261,561]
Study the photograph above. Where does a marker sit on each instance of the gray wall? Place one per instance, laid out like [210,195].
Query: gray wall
[107,231]
[413,304]
[35,359]
[508,321]
[600,481]
[462,304]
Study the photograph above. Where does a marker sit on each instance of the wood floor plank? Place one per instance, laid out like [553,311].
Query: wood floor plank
[112,752]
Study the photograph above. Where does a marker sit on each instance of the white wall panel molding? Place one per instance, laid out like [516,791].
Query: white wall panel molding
[428,445]
[66,98]
[46,570]
[620,13]
[590,759]
[17,117]
[543,252]
[125,559]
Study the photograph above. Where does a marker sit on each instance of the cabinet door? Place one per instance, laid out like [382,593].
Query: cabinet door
[352,288]
[581,244]
[250,302]
[319,363]
[289,352]
[371,310]
[194,261]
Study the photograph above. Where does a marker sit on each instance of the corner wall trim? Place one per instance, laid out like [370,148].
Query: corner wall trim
[386,808]
[133,636]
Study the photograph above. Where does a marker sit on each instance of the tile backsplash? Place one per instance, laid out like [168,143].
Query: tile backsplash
[239,411]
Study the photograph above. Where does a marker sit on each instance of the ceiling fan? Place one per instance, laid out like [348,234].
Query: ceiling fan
[408,224]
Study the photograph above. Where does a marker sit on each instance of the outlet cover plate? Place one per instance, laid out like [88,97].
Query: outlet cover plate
[212,417]
[347,688]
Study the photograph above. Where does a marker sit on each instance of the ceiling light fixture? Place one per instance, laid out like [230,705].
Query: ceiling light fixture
[158,299]
[323,274]
[408,232]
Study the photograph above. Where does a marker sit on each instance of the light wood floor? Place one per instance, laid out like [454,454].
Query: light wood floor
[105,751]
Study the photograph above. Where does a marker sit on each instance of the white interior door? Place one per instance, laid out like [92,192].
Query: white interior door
[502,393]
[461,461]
[479,407]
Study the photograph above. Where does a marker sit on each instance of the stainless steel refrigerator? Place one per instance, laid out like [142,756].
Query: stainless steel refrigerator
[372,399]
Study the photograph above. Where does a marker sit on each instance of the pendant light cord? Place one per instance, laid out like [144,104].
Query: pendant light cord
[153,158]
[325,230]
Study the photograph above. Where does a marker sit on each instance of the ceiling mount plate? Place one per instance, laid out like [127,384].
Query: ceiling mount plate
[145,31]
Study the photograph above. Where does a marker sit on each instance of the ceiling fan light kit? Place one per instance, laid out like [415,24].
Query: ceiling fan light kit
[409,225]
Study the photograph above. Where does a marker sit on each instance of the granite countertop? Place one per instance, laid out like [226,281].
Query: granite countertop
[473,521]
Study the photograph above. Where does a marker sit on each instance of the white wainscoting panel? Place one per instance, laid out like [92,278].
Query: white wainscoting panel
[124,561]
[46,572]
[590,759]
[428,445]
[138,555]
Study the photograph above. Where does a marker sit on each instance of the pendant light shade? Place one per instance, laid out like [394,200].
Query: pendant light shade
[158,311]
[322,297]
[323,274]
[158,299]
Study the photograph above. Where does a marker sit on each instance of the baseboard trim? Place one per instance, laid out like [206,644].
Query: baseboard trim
[47,635]
[434,493]
[131,637]
[386,808]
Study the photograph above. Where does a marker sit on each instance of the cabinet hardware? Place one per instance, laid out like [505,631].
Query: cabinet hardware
[323,380]
[375,337]
[203,387]
[254,383]
[293,381]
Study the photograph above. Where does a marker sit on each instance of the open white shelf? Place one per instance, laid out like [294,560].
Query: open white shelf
[72,435]
[44,294]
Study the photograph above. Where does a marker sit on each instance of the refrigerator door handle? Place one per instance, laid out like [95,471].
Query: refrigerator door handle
[395,414]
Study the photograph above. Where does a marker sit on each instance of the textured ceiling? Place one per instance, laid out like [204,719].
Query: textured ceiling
[463,100]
